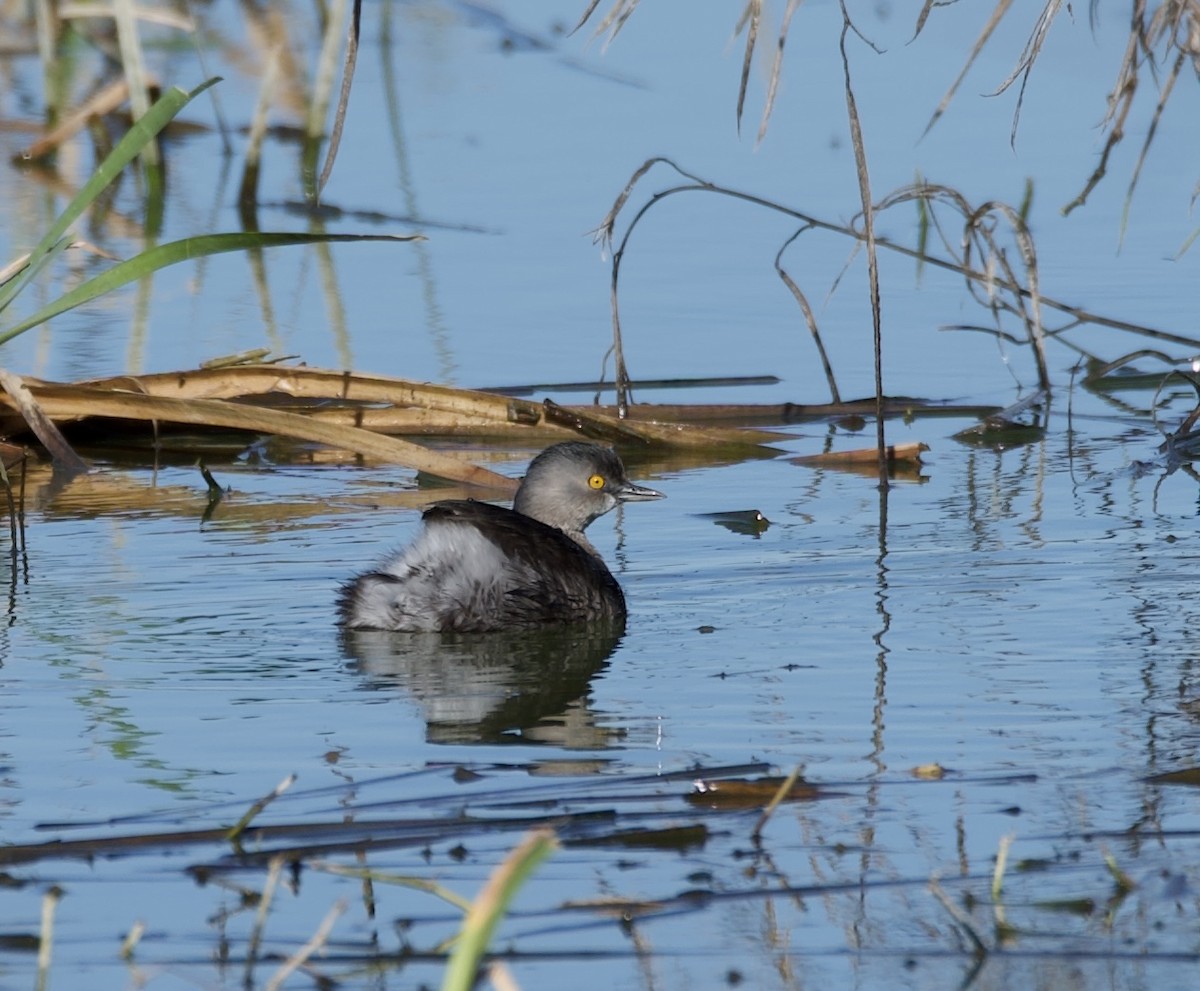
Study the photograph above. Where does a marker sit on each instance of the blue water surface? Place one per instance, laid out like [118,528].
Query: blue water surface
[1020,616]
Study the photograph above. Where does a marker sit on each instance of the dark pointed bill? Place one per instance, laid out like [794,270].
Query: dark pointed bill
[637,493]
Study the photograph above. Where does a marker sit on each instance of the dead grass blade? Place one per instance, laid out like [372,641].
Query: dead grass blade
[988,278]
[352,401]
[1120,102]
[274,873]
[613,21]
[998,13]
[868,215]
[337,408]
[992,288]
[751,15]
[1171,26]
[339,117]
[923,16]
[587,12]
[298,381]
[318,940]
[45,956]
[1155,118]
[43,428]
[776,70]
[1033,48]
[60,401]
[809,317]
[781,793]
[252,813]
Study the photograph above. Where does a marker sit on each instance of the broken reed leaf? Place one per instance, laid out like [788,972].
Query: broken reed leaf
[249,380]
[68,401]
[316,942]
[50,900]
[346,396]
[40,423]
[257,806]
[734,794]
[782,793]
[265,897]
[132,938]
[1124,882]
[896,453]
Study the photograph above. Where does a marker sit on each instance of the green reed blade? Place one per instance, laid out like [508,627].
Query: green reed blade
[143,131]
[186,249]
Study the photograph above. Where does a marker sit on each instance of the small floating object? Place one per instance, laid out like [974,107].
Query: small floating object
[896,453]
[747,521]
[1184,776]
[747,793]
[1003,430]
[1000,434]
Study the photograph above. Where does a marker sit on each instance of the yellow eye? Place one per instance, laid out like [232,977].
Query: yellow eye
[596,481]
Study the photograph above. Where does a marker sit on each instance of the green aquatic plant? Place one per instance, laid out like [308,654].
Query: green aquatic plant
[57,239]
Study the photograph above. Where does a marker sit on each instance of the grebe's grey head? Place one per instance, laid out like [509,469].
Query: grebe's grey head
[570,484]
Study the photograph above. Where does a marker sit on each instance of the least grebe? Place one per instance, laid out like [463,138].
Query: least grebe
[477,567]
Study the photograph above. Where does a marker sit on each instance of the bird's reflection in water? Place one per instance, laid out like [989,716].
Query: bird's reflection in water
[529,686]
